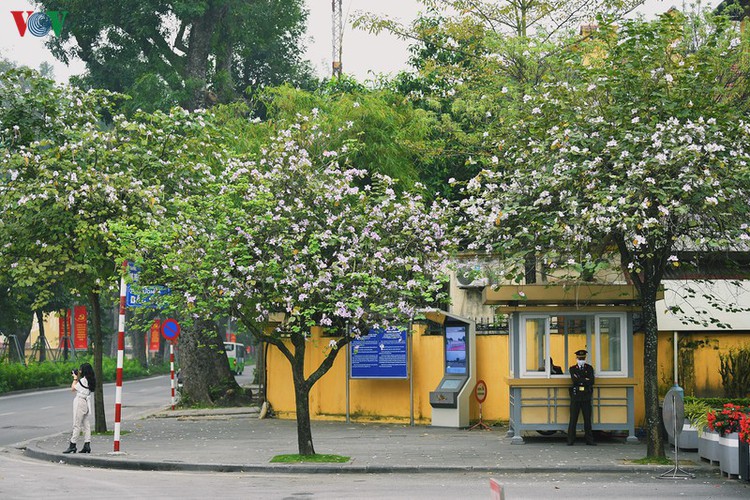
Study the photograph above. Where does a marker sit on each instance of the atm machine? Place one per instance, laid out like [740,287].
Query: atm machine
[451,399]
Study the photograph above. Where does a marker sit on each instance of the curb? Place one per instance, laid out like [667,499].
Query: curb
[35,452]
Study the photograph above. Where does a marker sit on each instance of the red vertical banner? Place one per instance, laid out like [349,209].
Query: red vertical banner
[233,337]
[153,345]
[80,316]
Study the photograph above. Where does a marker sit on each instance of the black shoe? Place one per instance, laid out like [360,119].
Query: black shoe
[71,448]
[591,444]
[571,444]
[86,448]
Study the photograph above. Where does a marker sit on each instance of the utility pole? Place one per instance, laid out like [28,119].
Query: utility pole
[337,32]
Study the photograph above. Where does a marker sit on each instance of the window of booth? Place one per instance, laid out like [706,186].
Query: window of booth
[547,343]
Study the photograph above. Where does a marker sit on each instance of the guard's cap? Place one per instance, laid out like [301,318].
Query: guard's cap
[581,352]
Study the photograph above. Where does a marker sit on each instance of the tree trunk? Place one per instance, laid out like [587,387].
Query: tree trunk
[205,369]
[41,340]
[654,437]
[66,334]
[139,347]
[199,50]
[304,431]
[302,397]
[100,424]
[18,347]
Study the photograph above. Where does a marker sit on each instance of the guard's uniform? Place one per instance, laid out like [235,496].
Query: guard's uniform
[581,394]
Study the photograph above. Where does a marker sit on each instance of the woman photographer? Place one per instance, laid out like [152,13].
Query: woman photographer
[84,382]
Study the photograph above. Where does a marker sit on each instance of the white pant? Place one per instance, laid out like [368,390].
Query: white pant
[81,419]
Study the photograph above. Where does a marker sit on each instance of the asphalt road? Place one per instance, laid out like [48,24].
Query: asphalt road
[22,477]
[30,415]
[35,414]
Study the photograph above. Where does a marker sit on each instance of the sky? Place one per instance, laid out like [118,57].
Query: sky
[364,55]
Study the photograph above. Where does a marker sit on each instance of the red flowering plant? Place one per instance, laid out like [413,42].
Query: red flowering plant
[727,420]
[745,428]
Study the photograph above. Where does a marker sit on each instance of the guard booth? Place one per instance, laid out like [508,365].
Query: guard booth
[547,325]
[450,400]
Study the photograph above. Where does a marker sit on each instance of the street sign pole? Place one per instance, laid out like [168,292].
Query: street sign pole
[120,357]
[171,368]
[480,393]
[170,330]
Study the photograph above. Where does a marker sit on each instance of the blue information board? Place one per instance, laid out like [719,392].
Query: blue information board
[380,354]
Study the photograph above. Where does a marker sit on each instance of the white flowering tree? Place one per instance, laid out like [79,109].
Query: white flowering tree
[74,190]
[639,150]
[54,199]
[301,234]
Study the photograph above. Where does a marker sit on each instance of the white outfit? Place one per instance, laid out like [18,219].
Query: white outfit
[82,412]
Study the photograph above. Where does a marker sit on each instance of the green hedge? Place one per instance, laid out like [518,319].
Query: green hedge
[717,403]
[16,377]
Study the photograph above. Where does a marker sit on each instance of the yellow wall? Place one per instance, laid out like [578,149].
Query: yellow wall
[493,368]
[51,331]
[706,359]
[640,404]
[388,400]
[369,399]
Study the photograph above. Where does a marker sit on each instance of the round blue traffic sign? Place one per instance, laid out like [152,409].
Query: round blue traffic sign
[170,329]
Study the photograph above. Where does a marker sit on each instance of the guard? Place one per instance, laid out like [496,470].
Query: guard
[581,395]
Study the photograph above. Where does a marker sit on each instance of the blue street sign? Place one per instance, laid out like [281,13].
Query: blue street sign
[144,296]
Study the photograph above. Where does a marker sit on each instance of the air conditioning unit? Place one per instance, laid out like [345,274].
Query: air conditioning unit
[471,276]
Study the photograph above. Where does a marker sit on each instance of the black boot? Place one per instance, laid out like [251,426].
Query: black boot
[86,448]
[71,448]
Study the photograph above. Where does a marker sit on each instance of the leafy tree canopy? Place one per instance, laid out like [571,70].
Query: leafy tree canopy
[194,54]
[290,235]
[636,148]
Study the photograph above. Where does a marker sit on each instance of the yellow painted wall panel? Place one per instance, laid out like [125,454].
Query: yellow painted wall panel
[493,368]
[535,415]
[611,415]
[369,398]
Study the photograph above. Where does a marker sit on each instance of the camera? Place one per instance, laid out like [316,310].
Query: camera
[74,372]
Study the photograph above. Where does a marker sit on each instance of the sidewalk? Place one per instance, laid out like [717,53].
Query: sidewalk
[234,439]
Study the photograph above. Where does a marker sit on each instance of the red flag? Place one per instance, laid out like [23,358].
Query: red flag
[153,345]
[80,317]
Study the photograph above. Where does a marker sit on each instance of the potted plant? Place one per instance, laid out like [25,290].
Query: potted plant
[696,412]
[744,445]
[726,422]
[708,439]
[696,421]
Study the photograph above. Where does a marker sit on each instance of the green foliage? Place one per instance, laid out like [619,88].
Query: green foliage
[17,377]
[696,411]
[735,372]
[316,458]
[653,461]
[716,403]
[194,53]
[385,134]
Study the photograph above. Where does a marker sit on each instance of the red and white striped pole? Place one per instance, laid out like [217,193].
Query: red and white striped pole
[171,368]
[120,356]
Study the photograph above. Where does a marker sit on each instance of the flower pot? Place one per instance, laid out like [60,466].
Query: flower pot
[744,473]
[688,439]
[708,446]
[729,455]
